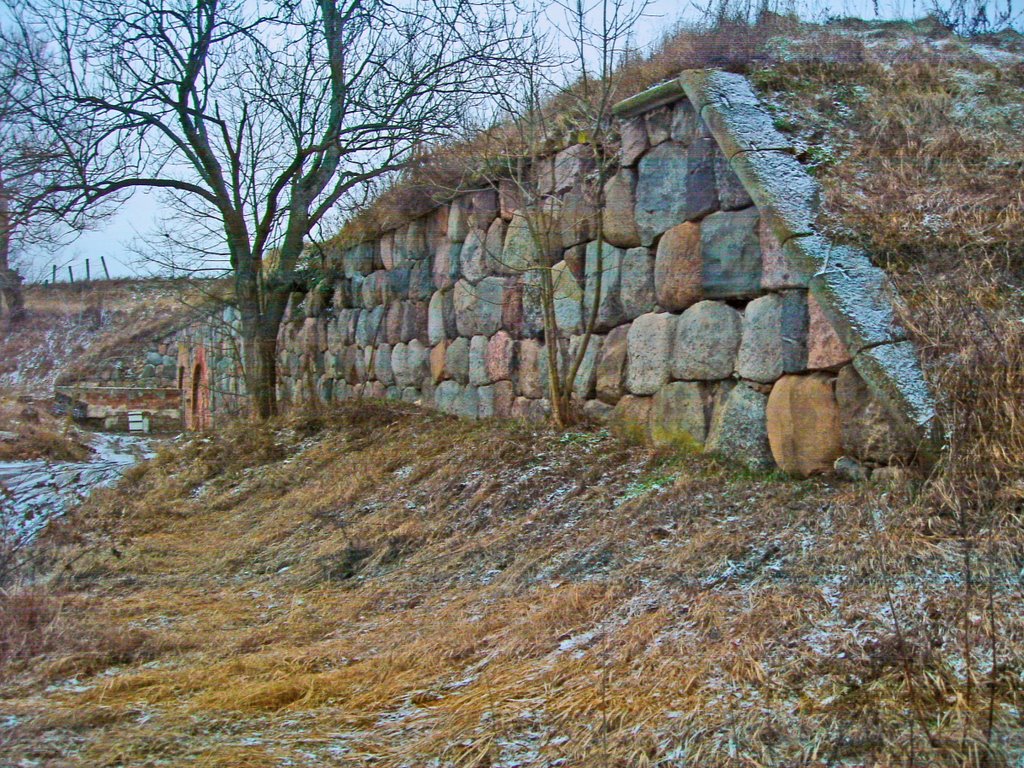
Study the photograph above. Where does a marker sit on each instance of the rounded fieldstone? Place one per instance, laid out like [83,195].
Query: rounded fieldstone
[678,415]
[707,339]
[636,283]
[650,349]
[678,267]
[611,365]
[731,251]
[739,428]
[618,213]
[803,424]
[457,359]
[478,361]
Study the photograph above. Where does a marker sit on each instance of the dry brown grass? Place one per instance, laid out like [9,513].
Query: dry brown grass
[374,583]
[31,431]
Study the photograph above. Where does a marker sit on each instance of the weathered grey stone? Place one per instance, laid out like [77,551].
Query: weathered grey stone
[391,333]
[707,340]
[777,271]
[636,284]
[532,380]
[578,217]
[532,305]
[803,424]
[619,211]
[458,218]
[478,307]
[457,359]
[528,409]
[604,270]
[415,322]
[393,393]
[679,415]
[650,352]
[531,240]
[496,400]
[478,361]
[684,121]
[483,208]
[732,195]
[586,375]
[744,128]
[446,395]
[369,326]
[571,166]
[358,260]
[494,244]
[634,141]
[774,337]
[395,283]
[856,297]
[701,189]
[473,257]
[512,307]
[410,363]
[894,376]
[441,317]
[416,246]
[662,174]
[679,267]
[659,125]
[382,365]
[568,298]
[731,253]
[595,410]
[372,293]
[732,110]
[421,281]
[739,427]
[446,265]
[611,365]
[631,418]
[467,403]
[785,194]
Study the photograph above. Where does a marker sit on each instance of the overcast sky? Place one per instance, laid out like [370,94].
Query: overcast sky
[137,217]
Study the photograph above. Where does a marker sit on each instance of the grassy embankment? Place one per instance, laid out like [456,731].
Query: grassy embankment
[378,584]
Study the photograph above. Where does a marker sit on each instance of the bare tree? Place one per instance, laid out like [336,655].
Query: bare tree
[563,102]
[259,118]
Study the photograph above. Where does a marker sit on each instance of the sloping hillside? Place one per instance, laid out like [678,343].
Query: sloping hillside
[379,586]
[66,325]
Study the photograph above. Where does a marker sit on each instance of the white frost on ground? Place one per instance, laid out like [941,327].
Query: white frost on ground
[32,492]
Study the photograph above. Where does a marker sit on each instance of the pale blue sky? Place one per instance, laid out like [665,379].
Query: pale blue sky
[137,218]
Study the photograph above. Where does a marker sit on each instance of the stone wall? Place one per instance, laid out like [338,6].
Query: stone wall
[725,322]
[210,373]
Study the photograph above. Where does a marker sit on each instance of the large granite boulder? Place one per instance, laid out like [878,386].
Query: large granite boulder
[660,204]
[774,337]
[611,365]
[605,261]
[678,267]
[707,339]
[739,429]
[803,424]
[679,415]
[478,307]
[731,249]
[636,283]
[619,212]
[650,352]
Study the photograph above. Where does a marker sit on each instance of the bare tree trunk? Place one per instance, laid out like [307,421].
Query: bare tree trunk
[263,379]
[11,303]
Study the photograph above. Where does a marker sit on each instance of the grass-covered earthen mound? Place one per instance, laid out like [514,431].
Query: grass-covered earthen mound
[378,585]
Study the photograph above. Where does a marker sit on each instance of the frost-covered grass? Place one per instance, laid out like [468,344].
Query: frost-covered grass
[381,584]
